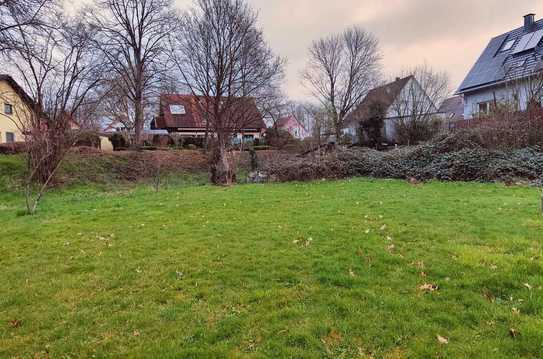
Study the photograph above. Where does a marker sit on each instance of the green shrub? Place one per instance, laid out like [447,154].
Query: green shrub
[118,141]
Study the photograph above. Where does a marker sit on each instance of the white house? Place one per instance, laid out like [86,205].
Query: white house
[293,126]
[507,72]
[398,100]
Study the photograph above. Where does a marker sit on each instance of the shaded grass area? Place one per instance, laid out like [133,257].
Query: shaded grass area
[325,269]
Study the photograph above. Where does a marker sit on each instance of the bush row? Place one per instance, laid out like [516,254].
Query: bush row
[454,158]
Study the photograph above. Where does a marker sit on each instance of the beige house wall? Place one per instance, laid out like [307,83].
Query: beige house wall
[11,123]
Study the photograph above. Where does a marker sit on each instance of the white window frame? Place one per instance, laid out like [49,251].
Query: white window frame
[487,104]
[177,109]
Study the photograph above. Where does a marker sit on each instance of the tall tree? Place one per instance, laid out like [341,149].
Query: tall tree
[222,57]
[341,70]
[133,38]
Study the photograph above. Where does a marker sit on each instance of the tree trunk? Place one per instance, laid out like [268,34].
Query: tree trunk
[338,132]
[138,121]
[222,172]
[338,126]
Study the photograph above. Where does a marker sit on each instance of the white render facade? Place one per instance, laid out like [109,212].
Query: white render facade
[516,94]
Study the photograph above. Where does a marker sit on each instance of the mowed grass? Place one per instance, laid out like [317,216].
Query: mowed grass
[326,269]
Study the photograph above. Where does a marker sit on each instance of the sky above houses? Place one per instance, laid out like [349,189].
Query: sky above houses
[447,35]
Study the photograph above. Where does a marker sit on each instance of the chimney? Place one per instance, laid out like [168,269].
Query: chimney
[529,22]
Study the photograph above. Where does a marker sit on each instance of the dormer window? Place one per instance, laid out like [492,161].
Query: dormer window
[508,45]
[177,110]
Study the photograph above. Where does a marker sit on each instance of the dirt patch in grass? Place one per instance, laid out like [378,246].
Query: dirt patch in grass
[131,166]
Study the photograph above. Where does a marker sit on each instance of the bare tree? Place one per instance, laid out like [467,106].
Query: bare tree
[341,70]
[17,15]
[222,57]
[417,105]
[58,69]
[318,121]
[274,105]
[133,38]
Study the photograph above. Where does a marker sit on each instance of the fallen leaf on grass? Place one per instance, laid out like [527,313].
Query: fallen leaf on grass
[516,311]
[15,323]
[419,265]
[351,273]
[513,333]
[528,286]
[333,338]
[428,287]
[442,340]
[391,247]
[136,333]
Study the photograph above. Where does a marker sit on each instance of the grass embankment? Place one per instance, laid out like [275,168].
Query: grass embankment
[325,269]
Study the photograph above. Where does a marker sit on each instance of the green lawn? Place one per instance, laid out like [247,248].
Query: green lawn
[327,269]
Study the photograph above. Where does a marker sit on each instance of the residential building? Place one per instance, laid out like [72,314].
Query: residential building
[15,106]
[397,101]
[508,72]
[183,115]
[292,126]
[451,112]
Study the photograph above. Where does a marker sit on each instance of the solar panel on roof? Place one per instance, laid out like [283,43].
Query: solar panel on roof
[536,39]
[521,46]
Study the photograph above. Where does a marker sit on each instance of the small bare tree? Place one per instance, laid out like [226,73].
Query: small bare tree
[59,70]
[417,104]
[222,57]
[341,70]
[132,35]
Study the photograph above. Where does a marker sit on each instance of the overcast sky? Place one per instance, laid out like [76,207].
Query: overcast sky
[447,35]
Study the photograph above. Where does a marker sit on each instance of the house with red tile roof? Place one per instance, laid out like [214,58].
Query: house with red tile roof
[292,126]
[185,115]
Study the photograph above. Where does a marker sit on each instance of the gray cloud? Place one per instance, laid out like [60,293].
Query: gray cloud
[447,35]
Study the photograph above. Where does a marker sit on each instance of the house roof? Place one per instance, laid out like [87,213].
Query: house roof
[18,89]
[245,113]
[283,122]
[384,95]
[453,107]
[496,65]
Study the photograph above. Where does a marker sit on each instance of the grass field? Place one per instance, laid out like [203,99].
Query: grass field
[327,269]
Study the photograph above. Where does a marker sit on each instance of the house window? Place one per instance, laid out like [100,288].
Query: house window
[8,109]
[177,109]
[508,45]
[10,137]
[483,108]
[248,138]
